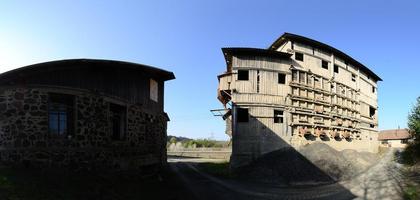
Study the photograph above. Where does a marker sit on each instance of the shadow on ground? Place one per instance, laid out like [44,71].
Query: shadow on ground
[53,184]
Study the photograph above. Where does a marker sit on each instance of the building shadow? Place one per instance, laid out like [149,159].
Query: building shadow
[261,155]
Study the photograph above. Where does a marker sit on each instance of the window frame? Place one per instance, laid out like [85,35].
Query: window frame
[283,78]
[240,115]
[122,111]
[278,118]
[336,69]
[299,56]
[56,103]
[323,66]
[240,77]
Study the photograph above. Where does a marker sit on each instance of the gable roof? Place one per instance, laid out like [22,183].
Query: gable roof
[395,134]
[289,36]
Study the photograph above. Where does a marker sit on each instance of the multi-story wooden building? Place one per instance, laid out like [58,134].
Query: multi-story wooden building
[296,92]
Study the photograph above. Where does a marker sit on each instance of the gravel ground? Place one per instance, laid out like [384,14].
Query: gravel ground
[313,164]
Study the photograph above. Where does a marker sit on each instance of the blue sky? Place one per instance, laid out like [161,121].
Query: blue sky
[186,36]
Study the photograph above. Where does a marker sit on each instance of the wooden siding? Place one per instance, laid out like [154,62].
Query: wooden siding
[128,84]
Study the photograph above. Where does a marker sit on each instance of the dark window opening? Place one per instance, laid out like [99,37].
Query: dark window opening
[298,56]
[372,125]
[243,75]
[372,111]
[353,77]
[325,64]
[117,121]
[281,78]
[242,114]
[278,116]
[258,81]
[293,45]
[373,89]
[336,68]
[61,114]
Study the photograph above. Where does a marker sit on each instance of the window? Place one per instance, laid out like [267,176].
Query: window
[295,76]
[243,75]
[293,45]
[373,89]
[61,114]
[336,68]
[404,141]
[278,116]
[281,78]
[117,121]
[372,111]
[353,77]
[258,81]
[154,90]
[325,64]
[242,114]
[298,56]
[372,125]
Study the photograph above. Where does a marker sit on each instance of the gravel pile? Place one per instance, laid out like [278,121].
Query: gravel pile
[316,163]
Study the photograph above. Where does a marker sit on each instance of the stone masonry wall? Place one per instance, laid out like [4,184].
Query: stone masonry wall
[24,136]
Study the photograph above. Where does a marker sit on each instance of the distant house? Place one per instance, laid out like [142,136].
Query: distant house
[84,112]
[394,138]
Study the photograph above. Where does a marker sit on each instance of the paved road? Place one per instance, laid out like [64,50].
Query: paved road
[382,181]
[204,186]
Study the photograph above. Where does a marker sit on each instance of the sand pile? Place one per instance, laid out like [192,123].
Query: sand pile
[316,163]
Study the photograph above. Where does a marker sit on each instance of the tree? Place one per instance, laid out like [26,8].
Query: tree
[414,120]
[411,154]
[172,140]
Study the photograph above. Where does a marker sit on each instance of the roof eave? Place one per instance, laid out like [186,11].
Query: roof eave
[286,36]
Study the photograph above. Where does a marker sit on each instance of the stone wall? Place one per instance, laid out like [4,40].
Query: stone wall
[24,135]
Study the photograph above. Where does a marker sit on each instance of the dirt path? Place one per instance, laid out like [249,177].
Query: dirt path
[382,181]
[204,186]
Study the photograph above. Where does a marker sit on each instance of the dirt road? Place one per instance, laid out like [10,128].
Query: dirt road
[204,186]
[382,181]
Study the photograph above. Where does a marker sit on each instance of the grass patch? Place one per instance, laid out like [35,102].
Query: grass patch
[411,193]
[217,169]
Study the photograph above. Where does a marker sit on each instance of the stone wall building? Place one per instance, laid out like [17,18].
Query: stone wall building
[294,93]
[84,113]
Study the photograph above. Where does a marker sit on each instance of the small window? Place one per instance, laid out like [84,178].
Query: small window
[373,89]
[117,121]
[336,68]
[293,45]
[61,114]
[154,90]
[372,125]
[243,75]
[372,111]
[353,77]
[298,56]
[278,116]
[242,114]
[281,78]
[325,64]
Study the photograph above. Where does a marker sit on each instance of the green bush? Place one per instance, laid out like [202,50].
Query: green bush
[411,154]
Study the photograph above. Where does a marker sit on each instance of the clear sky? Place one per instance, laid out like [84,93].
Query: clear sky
[186,36]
